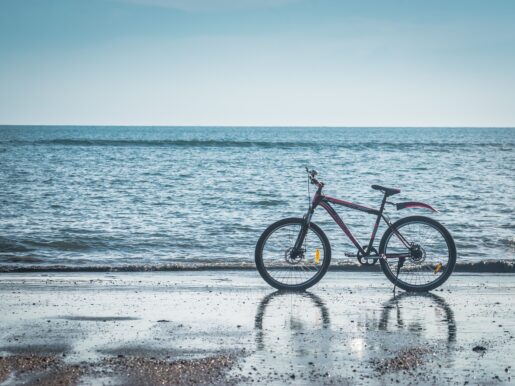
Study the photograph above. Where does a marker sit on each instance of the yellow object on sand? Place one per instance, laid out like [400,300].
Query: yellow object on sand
[438,268]
[317,256]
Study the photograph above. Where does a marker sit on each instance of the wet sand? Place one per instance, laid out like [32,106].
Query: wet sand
[228,327]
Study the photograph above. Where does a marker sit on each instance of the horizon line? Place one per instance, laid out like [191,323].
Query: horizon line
[261,126]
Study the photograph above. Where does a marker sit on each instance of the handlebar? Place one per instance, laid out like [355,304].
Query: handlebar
[312,177]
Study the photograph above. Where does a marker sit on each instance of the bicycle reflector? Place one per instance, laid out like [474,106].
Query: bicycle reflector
[438,268]
[317,256]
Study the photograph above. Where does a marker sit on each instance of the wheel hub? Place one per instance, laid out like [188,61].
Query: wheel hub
[418,254]
[292,257]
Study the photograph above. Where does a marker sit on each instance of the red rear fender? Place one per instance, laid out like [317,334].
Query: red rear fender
[414,204]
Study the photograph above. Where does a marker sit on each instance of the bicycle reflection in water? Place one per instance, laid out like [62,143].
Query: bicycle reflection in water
[306,312]
[425,316]
[297,338]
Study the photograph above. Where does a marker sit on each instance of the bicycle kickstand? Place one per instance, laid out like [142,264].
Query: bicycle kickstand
[400,263]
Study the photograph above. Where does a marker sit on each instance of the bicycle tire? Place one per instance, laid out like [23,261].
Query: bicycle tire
[451,254]
[284,286]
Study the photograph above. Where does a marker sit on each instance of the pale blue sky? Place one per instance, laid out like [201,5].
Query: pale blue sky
[258,62]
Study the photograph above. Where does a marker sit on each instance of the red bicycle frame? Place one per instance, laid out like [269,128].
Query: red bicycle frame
[324,201]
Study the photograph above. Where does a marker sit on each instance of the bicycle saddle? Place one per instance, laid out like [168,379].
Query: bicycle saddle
[387,191]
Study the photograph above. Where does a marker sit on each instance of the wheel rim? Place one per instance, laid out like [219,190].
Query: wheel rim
[292,270]
[429,257]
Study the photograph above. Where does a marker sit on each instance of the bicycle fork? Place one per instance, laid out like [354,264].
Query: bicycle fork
[303,232]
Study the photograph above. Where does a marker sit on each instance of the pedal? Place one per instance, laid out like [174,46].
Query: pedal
[349,254]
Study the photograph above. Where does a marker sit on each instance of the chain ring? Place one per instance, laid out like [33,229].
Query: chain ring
[368,261]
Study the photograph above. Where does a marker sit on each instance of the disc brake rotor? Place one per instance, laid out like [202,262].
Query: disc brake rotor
[418,254]
[290,259]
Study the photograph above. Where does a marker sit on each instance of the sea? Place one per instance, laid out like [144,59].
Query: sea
[91,197]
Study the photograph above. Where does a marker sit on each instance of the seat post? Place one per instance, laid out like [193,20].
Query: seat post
[383,203]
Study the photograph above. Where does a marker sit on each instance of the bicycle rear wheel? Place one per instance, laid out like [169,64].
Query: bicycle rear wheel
[430,260]
[280,268]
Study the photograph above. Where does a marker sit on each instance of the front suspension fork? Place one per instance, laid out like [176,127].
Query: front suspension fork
[303,231]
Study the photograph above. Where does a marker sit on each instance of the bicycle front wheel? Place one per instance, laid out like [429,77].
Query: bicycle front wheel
[429,260]
[285,270]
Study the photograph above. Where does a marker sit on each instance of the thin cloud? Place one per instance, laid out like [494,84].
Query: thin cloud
[211,5]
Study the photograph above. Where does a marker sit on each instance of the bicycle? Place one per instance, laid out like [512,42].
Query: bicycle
[416,253]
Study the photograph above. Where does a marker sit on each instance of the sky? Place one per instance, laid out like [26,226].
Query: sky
[258,62]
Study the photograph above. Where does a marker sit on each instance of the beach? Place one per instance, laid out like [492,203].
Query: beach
[228,327]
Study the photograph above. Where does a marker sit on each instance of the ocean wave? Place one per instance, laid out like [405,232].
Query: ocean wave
[250,144]
[7,245]
[19,259]
[69,244]
[66,244]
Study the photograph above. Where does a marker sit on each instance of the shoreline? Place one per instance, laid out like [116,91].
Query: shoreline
[485,266]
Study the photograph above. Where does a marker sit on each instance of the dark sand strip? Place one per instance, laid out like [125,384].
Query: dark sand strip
[486,266]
